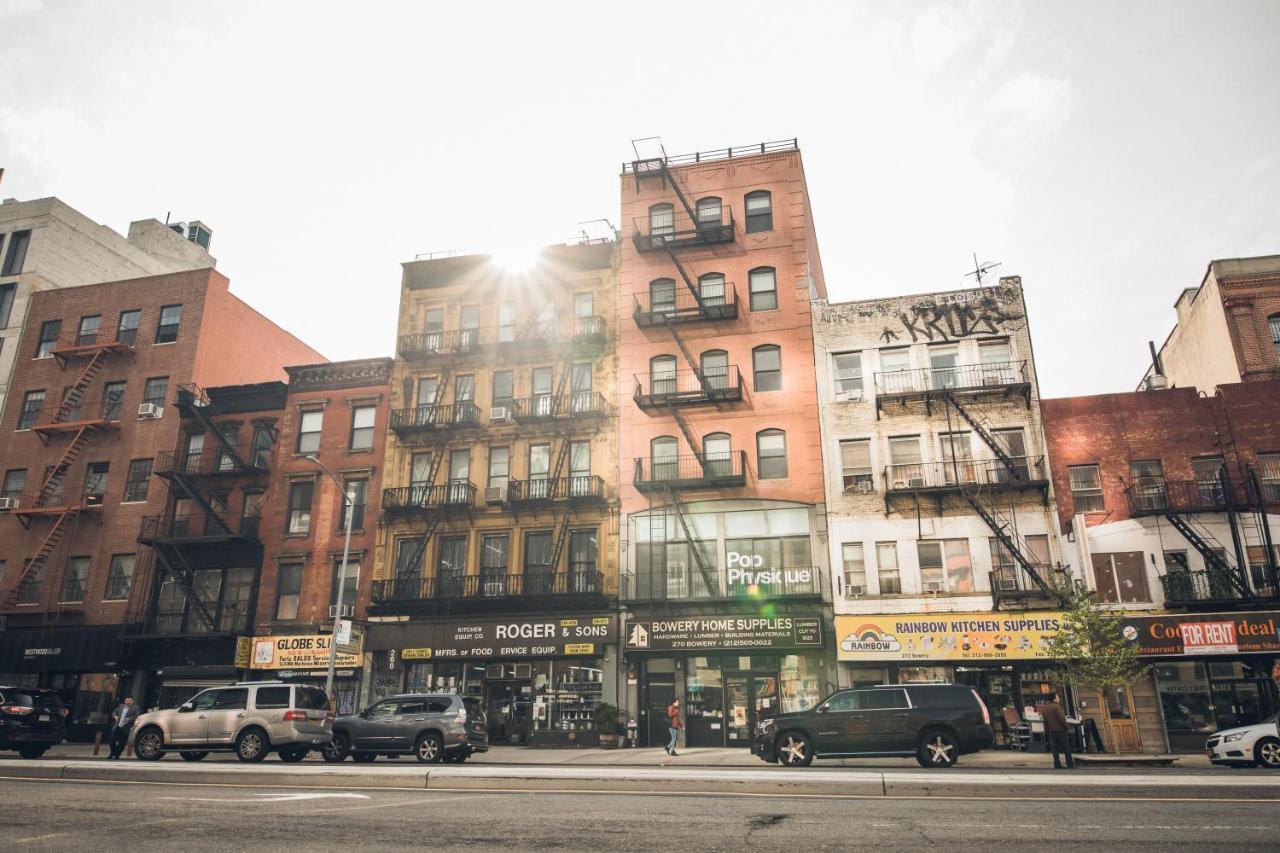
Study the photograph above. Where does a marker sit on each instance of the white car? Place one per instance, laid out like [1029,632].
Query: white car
[1248,746]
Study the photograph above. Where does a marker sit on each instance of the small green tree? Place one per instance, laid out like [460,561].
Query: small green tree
[1091,646]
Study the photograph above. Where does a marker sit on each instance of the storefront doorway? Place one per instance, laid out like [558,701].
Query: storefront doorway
[660,689]
[509,708]
[747,698]
[1199,698]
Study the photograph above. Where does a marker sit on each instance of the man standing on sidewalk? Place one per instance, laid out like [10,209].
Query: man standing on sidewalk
[122,720]
[673,721]
[1056,730]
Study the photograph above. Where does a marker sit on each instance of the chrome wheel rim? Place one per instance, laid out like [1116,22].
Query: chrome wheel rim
[1270,754]
[147,745]
[250,745]
[939,750]
[793,750]
[427,749]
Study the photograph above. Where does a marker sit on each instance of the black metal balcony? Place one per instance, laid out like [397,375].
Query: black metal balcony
[680,306]
[677,230]
[441,417]
[586,582]
[453,497]
[427,345]
[1201,588]
[214,462]
[198,527]
[690,585]
[584,488]
[1028,472]
[688,387]
[551,407]
[717,471]
[582,334]
[1158,496]
[1001,380]
[1011,583]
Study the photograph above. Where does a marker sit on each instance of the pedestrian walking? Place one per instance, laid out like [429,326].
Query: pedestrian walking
[673,721]
[1056,730]
[122,719]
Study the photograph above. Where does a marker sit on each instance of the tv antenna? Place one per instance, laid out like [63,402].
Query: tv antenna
[980,270]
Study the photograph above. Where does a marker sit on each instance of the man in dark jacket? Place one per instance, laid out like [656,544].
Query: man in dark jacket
[1056,730]
[121,721]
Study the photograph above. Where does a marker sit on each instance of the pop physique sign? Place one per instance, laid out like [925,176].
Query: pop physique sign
[298,652]
[1205,633]
[749,570]
[517,637]
[730,632]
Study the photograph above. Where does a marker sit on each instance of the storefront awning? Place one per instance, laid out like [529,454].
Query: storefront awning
[68,649]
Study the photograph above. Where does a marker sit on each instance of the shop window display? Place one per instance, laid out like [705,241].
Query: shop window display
[95,699]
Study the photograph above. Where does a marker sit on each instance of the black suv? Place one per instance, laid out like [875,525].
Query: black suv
[31,720]
[432,726]
[937,723]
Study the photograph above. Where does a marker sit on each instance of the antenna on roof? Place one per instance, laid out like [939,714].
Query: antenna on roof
[980,270]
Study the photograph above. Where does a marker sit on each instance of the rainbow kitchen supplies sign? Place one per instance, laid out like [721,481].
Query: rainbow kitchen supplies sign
[310,651]
[946,636]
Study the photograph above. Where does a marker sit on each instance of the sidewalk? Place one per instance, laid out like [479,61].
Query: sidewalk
[992,759]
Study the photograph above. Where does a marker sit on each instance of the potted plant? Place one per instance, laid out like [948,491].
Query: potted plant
[605,718]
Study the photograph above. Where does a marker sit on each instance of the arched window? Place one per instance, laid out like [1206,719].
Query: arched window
[717,449]
[759,206]
[711,288]
[709,211]
[664,458]
[662,296]
[764,289]
[1274,323]
[771,454]
[766,368]
[662,374]
[662,220]
[715,368]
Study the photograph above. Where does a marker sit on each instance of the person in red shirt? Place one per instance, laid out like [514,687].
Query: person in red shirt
[673,720]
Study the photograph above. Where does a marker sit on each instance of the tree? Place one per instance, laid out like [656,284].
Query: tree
[1091,646]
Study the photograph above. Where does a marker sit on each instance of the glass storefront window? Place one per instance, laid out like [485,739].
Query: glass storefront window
[1185,699]
[95,699]
[704,696]
[924,674]
[800,679]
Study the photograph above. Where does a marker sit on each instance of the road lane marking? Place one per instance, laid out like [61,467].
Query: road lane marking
[273,798]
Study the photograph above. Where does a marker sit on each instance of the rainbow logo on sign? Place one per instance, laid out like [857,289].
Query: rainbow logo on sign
[869,638]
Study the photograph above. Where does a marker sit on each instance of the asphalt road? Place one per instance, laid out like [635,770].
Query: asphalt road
[55,816]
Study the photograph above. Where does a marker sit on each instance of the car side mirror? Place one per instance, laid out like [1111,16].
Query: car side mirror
[821,709]
[186,708]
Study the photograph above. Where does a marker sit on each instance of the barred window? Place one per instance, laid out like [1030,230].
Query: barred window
[1086,488]
[1270,465]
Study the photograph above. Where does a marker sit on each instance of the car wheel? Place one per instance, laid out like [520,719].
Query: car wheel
[1267,753]
[364,757]
[252,745]
[31,752]
[191,755]
[294,755]
[149,745]
[937,749]
[794,750]
[336,749]
[429,748]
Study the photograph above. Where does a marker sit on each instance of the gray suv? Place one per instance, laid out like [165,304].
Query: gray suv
[250,718]
[432,726]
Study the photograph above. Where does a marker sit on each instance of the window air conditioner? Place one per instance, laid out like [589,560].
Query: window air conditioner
[854,396]
[841,396]
[149,411]
[916,482]
[341,610]
[935,586]
[854,589]
[9,503]
[499,415]
[864,487]
[495,494]
[899,484]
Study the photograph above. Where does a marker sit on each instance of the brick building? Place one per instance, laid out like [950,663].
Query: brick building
[99,369]
[719,448]
[1171,505]
[500,491]
[1228,327]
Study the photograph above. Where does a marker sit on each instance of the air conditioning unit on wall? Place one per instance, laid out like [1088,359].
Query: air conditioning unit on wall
[149,411]
[9,503]
[499,415]
[495,494]
[934,586]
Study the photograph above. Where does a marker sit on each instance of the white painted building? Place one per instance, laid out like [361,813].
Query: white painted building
[46,244]
[939,498]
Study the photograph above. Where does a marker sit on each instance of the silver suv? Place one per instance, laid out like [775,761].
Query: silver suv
[251,718]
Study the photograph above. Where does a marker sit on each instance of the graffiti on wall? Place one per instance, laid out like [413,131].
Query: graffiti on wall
[938,317]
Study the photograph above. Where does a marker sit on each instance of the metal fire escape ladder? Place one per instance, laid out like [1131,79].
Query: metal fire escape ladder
[437,462]
[1258,518]
[58,471]
[31,568]
[204,412]
[687,431]
[688,357]
[180,569]
[1005,533]
[74,394]
[190,483]
[694,290]
[670,177]
[1211,551]
[708,576]
[983,427]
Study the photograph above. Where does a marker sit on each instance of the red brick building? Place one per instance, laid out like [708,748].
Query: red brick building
[89,413]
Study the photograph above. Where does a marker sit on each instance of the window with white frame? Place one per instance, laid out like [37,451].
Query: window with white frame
[854,569]
[945,566]
[847,367]
[855,465]
[887,573]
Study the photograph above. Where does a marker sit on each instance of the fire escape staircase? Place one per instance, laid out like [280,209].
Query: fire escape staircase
[1006,533]
[983,427]
[1210,549]
[74,394]
[180,569]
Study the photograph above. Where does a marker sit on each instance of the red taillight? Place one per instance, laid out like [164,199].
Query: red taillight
[986,714]
[64,711]
[462,716]
[17,709]
[294,715]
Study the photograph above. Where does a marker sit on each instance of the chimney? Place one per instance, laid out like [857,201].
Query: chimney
[1156,380]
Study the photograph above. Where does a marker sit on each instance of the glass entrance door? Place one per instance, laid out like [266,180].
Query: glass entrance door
[1236,703]
[747,697]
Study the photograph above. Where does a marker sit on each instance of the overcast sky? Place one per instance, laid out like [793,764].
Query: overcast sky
[1104,151]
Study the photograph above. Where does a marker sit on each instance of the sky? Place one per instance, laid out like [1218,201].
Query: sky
[1104,151]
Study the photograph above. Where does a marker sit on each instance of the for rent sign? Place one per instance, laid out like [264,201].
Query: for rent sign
[1205,633]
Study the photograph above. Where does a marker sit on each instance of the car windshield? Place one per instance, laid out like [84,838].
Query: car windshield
[312,699]
[32,699]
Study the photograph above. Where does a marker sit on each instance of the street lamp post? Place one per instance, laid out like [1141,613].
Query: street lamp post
[348,508]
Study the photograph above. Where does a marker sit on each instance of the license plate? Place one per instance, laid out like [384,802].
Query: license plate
[44,718]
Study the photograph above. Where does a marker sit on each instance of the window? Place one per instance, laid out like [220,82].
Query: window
[662,296]
[895,361]
[113,400]
[499,467]
[359,492]
[1269,465]
[715,368]
[17,255]
[7,292]
[1121,577]
[957,457]
[711,288]
[1176,561]
[464,389]
[309,432]
[15,480]
[73,581]
[997,363]
[504,389]
[887,568]
[664,458]
[904,462]
[195,451]
[409,553]
[506,322]
[32,402]
[95,482]
[460,466]
[1086,488]
[494,548]
[847,367]
[662,375]
[362,418]
[120,577]
[155,390]
[350,586]
[127,331]
[451,565]
[580,459]
[88,333]
[582,561]
[854,574]
[855,465]
[539,466]
[1148,488]
[717,449]
[662,220]
[764,289]
[428,390]
[1006,567]
[580,384]
[49,332]
[766,363]
[1208,473]
[433,320]
[541,386]
[759,206]
[271,698]
[299,521]
[263,435]
[419,469]
[709,211]
[537,555]
[469,326]
[1273,323]
[945,566]
[167,329]
[136,480]
[944,363]
[771,454]
[584,305]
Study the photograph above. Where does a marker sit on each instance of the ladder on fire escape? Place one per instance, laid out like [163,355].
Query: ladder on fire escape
[565,434]
[73,396]
[1216,561]
[985,430]
[177,566]
[1006,532]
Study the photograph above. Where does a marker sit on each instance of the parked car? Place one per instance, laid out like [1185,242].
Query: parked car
[1257,745]
[432,726]
[250,718]
[31,720]
[937,723]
